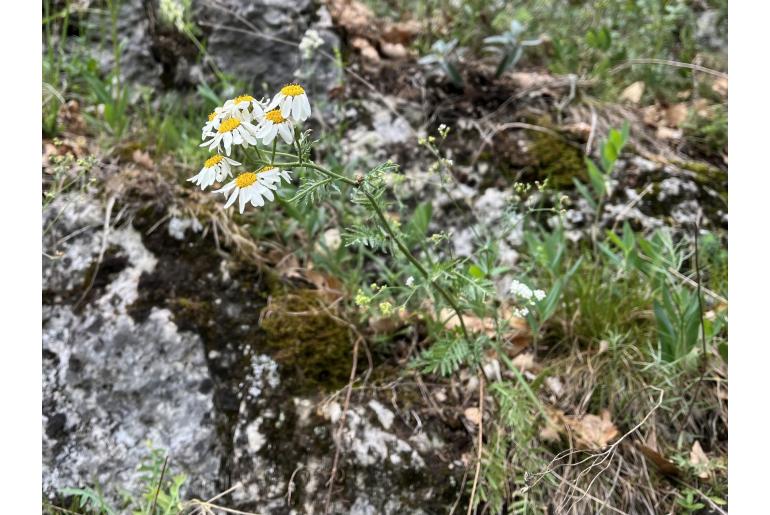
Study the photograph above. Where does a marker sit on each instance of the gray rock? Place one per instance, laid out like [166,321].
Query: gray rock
[111,385]
[252,41]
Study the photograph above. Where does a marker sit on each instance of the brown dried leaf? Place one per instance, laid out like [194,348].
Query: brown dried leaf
[473,415]
[720,86]
[651,115]
[663,465]
[550,433]
[143,159]
[590,431]
[664,132]
[633,93]
[366,49]
[699,460]
[596,432]
[402,32]
[353,16]
[676,114]
[393,50]
[525,362]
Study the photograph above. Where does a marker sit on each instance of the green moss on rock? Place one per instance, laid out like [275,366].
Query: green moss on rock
[313,348]
[556,160]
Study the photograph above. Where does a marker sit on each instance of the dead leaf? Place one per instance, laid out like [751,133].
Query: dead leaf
[651,115]
[579,129]
[393,50]
[473,415]
[366,49]
[589,431]
[525,362]
[720,86]
[596,432]
[699,460]
[353,16]
[633,93]
[549,433]
[664,132]
[662,464]
[143,159]
[676,114]
[555,385]
[531,80]
[402,32]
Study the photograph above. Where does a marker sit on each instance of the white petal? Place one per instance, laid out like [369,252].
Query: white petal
[270,135]
[286,107]
[268,193]
[305,105]
[296,110]
[232,198]
[242,201]
[276,100]
[285,132]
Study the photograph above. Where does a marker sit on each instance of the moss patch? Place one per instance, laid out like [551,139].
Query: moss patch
[312,348]
[556,160]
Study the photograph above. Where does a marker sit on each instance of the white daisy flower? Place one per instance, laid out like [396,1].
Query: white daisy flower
[238,107]
[229,131]
[293,102]
[275,123]
[254,187]
[216,168]
[211,126]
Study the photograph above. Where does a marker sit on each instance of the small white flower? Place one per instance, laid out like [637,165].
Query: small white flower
[275,123]
[216,168]
[292,102]
[409,281]
[521,312]
[310,41]
[519,289]
[254,187]
[244,107]
[232,131]
[173,12]
[539,295]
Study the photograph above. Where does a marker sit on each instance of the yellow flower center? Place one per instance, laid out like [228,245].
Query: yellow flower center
[265,168]
[229,125]
[275,116]
[213,160]
[212,116]
[243,98]
[292,90]
[246,179]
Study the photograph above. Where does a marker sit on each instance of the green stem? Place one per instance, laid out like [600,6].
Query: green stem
[272,156]
[405,251]
[329,173]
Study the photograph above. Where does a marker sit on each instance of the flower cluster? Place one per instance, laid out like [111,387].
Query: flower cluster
[524,293]
[246,122]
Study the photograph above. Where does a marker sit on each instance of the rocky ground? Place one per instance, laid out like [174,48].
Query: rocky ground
[157,338]
[155,331]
